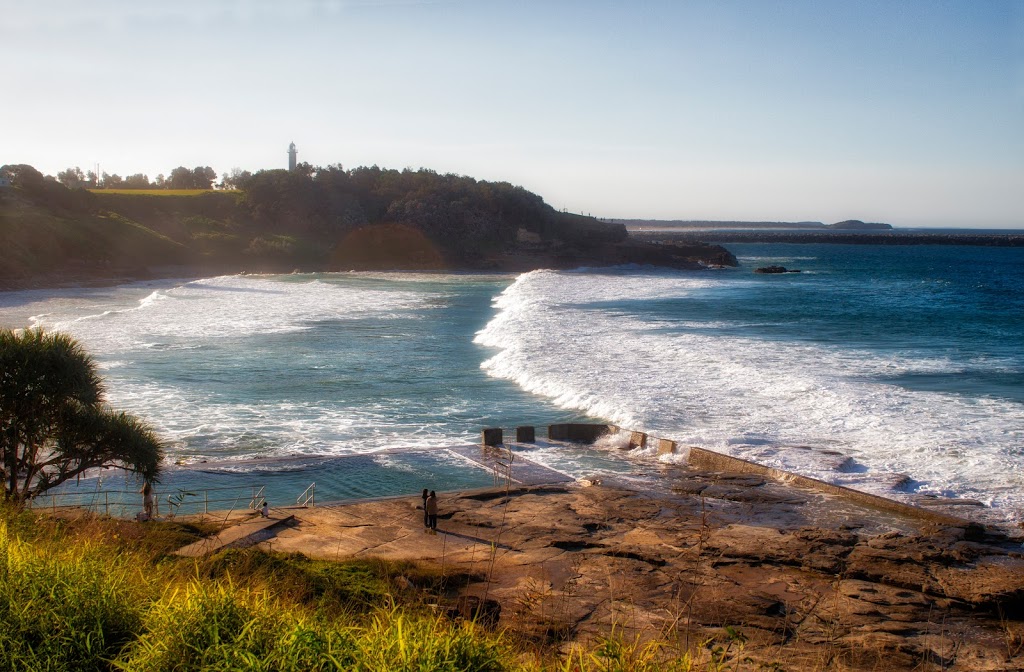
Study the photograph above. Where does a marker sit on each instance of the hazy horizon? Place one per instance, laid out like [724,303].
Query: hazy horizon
[909,113]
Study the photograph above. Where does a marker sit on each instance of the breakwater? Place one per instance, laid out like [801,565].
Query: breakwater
[1009,239]
[701,459]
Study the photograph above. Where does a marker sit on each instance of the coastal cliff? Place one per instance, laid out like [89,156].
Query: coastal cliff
[315,219]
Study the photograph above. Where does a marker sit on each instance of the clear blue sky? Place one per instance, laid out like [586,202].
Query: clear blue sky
[905,112]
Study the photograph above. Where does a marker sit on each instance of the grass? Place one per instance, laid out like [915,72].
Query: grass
[91,593]
[163,192]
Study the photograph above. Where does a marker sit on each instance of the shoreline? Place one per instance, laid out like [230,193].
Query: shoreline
[509,263]
[344,479]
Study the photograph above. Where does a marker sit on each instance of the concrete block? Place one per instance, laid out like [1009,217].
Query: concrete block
[637,440]
[525,434]
[492,436]
[666,446]
[577,432]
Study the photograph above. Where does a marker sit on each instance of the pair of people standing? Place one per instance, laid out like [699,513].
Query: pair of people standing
[430,511]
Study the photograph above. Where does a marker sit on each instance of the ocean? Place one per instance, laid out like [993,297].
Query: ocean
[894,370]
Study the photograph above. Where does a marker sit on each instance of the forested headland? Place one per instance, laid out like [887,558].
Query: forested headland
[308,219]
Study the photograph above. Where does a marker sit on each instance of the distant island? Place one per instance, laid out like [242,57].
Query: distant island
[305,219]
[846,232]
[847,225]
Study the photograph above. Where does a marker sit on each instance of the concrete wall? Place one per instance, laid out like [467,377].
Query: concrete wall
[665,446]
[526,434]
[706,460]
[579,433]
[637,440]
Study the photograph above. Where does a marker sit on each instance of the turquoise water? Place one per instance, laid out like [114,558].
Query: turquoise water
[897,370]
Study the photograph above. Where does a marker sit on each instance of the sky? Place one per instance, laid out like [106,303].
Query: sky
[907,112]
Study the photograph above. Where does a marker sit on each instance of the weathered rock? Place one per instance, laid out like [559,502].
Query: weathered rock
[827,584]
[775,269]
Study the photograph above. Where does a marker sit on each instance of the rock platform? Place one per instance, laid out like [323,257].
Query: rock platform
[728,564]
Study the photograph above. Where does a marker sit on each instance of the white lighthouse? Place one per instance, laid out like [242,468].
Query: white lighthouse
[292,154]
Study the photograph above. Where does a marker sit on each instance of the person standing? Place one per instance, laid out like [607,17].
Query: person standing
[426,519]
[431,508]
[148,501]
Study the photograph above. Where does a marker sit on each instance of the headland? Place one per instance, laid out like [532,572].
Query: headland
[320,220]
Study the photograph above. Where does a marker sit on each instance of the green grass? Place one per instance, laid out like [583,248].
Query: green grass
[101,594]
[163,192]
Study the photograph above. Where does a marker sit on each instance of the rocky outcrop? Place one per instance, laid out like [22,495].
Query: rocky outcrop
[694,256]
[774,269]
[762,573]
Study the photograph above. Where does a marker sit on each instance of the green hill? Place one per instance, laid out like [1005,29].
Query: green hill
[311,219]
[49,234]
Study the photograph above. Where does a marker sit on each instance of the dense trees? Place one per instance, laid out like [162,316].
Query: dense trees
[53,424]
[200,177]
[461,215]
[303,218]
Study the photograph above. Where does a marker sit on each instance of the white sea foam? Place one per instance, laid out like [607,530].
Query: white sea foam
[739,395]
[568,337]
[191,313]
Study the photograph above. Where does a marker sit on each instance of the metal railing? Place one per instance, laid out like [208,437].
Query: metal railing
[502,470]
[128,503]
[201,499]
[308,496]
[120,502]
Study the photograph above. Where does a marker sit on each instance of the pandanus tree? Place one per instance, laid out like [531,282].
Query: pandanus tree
[54,425]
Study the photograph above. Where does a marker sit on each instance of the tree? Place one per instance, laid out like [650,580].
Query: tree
[180,178]
[203,177]
[136,181]
[53,423]
[236,179]
[71,178]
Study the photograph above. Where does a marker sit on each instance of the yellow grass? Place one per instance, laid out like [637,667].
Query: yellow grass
[162,192]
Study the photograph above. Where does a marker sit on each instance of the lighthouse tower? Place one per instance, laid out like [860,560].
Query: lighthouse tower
[292,153]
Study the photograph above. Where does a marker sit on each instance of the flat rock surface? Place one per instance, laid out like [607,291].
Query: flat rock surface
[751,571]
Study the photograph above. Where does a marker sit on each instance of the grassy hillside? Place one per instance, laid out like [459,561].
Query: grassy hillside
[101,594]
[38,240]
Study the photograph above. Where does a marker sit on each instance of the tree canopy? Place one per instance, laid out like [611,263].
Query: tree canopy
[53,423]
